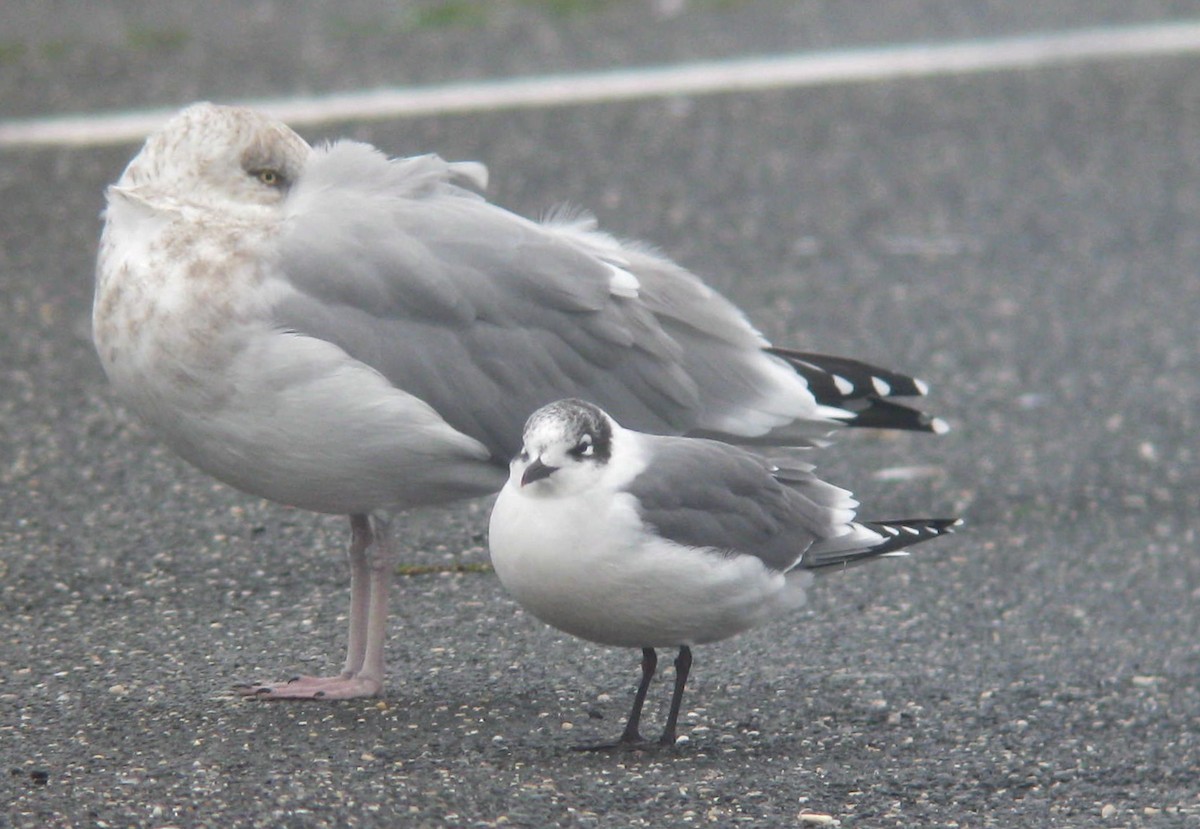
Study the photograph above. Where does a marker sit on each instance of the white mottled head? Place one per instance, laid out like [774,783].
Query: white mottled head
[216,156]
[568,445]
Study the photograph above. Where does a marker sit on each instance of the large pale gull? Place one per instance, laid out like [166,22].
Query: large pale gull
[352,334]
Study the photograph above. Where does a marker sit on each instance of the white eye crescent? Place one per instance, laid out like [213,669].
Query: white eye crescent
[583,449]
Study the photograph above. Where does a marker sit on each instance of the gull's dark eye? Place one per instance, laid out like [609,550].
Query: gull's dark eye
[524,456]
[584,449]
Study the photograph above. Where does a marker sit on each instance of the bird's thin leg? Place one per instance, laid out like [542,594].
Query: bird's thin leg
[683,664]
[370,555]
[360,593]
[631,736]
[382,565]
[632,733]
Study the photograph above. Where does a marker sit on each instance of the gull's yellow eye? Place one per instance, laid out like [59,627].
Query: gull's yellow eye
[271,178]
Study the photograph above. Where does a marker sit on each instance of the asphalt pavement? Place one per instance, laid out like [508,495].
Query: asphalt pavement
[1028,241]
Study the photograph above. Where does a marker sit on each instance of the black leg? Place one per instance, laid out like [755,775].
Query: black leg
[632,736]
[632,733]
[683,664]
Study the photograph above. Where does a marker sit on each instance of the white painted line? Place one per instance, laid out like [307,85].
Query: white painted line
[702,78]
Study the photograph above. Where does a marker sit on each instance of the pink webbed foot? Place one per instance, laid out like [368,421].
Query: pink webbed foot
[314,687]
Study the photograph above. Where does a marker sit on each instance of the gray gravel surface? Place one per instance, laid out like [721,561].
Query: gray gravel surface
[1027,241]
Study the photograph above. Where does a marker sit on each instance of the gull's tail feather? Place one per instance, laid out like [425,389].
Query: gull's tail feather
[863,390]
[869,540]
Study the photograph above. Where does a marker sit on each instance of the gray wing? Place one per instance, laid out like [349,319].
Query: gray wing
[487,316]
[704,493]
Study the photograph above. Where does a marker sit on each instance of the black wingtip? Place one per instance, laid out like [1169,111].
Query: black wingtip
[905,532]
[864,390]
[894,537]
[876,413]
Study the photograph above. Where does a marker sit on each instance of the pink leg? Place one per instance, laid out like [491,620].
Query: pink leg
[360,596]
[371,564]
[382,566]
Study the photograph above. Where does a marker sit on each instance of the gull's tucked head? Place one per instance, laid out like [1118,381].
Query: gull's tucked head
[568,445]
[217,156]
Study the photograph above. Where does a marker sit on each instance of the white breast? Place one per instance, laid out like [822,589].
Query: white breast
[586,566]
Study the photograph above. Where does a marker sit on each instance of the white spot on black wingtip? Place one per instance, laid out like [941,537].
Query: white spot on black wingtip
[881,386]
[938,426]
[921,386]
[844,386]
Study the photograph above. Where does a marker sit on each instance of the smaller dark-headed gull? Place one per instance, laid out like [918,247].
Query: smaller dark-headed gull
[644,541]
